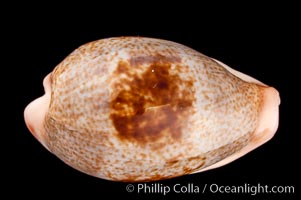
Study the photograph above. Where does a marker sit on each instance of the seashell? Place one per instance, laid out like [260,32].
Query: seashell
[142,109]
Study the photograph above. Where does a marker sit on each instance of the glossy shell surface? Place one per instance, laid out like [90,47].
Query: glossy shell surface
[142,109]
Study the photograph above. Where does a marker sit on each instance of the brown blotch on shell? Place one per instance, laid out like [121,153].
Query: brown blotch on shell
[151,105]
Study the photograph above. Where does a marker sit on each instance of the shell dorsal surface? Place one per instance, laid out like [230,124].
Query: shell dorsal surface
[142,109]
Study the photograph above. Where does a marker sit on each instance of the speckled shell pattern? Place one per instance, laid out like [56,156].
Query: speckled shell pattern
[142,109]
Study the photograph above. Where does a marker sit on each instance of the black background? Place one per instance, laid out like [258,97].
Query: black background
[259,43]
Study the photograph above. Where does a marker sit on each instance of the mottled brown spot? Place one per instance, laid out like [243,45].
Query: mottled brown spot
[189,165]
[151,104]
[140,60]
